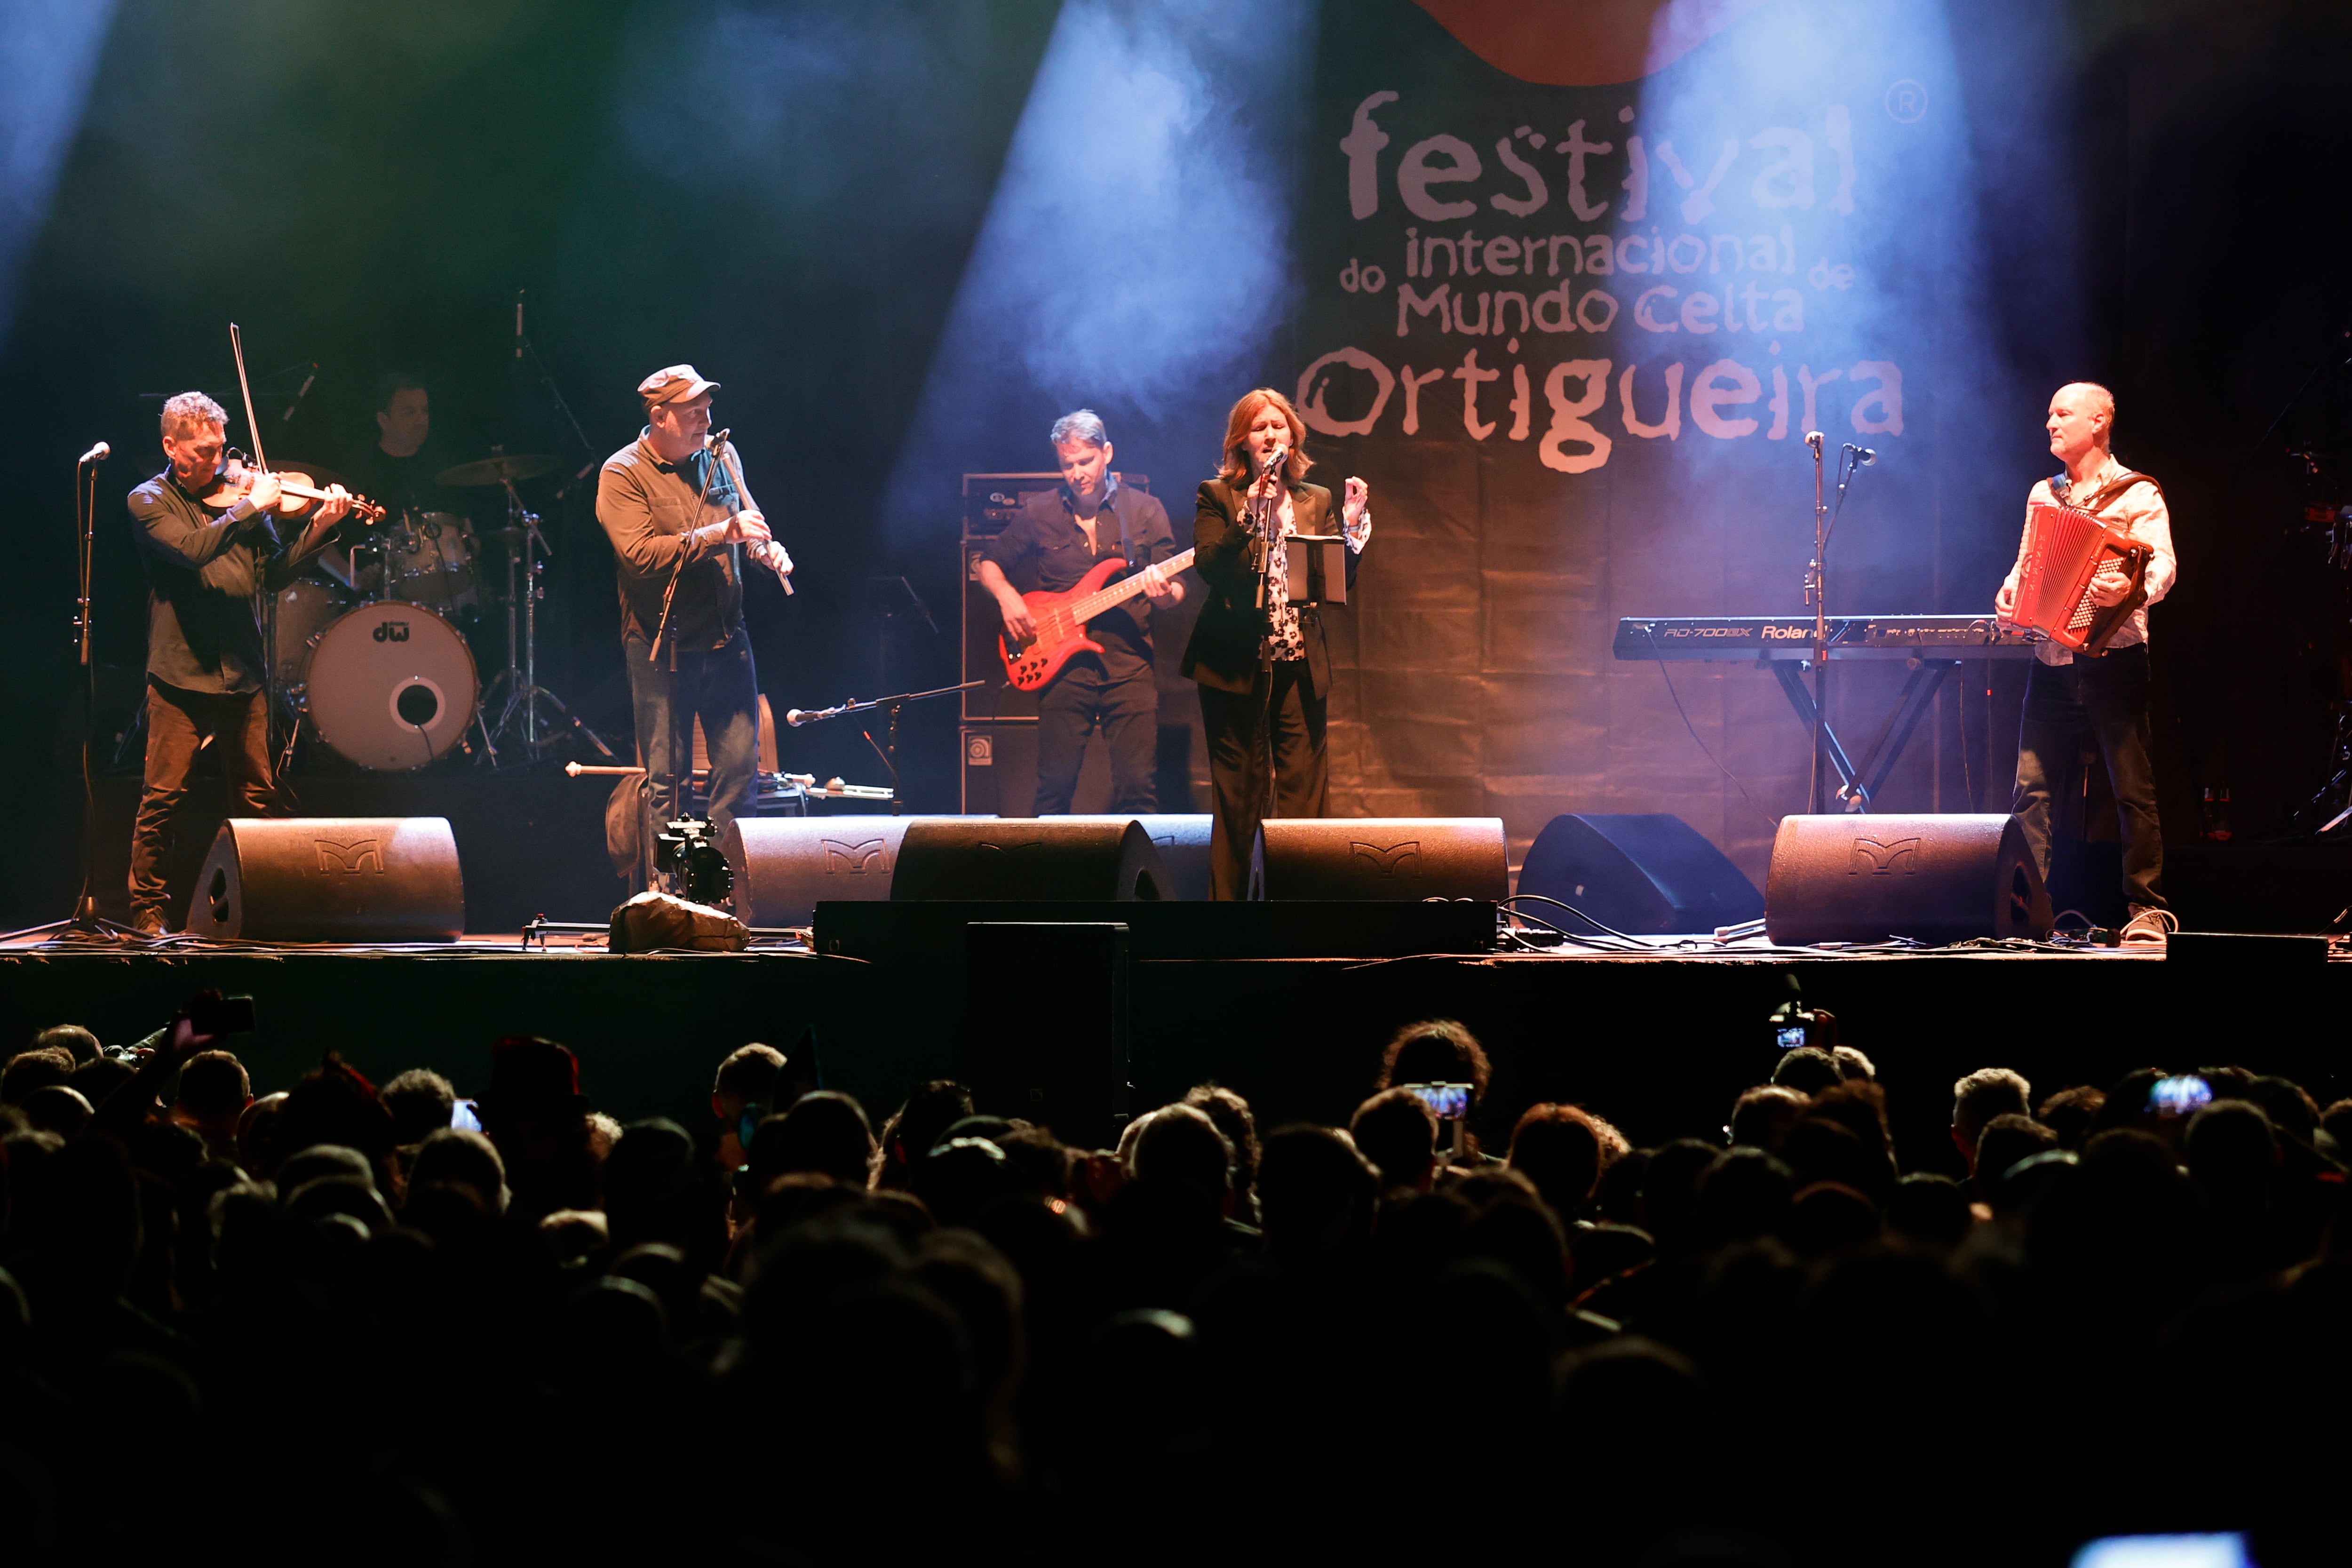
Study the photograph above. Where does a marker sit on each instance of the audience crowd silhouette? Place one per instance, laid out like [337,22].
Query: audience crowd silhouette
[339,1322]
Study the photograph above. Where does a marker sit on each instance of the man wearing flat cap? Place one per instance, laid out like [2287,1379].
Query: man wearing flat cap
[680,529]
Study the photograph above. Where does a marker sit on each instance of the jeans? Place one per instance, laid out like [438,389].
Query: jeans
[2101,701]
[1281,719]
[1129,711]
[178,723]
[722,688]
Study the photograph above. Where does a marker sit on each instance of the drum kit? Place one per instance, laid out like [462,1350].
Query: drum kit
[372,654]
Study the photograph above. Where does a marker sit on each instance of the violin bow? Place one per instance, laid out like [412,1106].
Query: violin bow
[252,425]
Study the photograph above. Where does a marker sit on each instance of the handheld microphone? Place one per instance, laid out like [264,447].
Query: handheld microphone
[1861,455]
[1814,438]
[98,454]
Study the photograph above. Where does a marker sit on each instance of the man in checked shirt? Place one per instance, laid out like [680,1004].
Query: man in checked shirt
[2071,702]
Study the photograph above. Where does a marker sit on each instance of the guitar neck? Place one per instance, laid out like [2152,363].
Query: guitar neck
[1119,593]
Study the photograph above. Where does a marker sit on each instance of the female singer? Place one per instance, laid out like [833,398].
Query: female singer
[1264,672]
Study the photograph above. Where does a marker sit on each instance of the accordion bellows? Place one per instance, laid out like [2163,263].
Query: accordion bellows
[2065,548]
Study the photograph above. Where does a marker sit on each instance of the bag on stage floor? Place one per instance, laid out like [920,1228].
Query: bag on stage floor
[1357,859]
[330,879]
[1857,877]
[1650,873]
[655,923]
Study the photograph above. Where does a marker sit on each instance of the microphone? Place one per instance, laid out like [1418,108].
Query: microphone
[1861,455]
[98,454]
[795,717]
[1814,438]
[518,293]
[1281,456]
[717,438]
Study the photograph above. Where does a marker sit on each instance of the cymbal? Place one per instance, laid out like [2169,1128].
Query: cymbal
[497,470]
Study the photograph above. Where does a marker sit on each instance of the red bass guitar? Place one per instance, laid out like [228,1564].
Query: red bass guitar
[1062,618]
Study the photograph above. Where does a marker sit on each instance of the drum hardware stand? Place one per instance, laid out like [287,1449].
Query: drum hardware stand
[798,717]
[524,544]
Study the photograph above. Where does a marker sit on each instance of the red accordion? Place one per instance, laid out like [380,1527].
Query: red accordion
[2065,548]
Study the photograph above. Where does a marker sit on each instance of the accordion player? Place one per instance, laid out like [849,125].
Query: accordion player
[2096,552]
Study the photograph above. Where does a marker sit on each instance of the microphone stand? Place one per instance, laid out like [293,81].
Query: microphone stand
[797,717]
[84,924]
[1817,599]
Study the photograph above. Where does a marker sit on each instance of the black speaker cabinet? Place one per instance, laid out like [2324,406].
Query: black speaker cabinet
[1857,877]
[1182,840]
[1063,1066]
[330,879]
[1045,859]
[1648,873]
[1381,858]
[784,865]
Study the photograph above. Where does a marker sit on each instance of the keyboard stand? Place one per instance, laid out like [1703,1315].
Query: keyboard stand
[1859,786]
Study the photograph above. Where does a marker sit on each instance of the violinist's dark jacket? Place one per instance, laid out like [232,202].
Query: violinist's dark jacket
[204,569]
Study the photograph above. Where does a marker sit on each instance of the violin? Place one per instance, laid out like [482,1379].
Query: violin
[295,492]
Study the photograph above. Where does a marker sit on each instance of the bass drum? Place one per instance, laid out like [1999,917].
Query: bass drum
[391,687]
[304,610]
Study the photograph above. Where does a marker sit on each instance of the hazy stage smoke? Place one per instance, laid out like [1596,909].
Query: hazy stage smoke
[1137,254]
[48,49]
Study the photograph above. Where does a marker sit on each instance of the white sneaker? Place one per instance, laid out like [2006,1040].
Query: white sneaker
[2149,928]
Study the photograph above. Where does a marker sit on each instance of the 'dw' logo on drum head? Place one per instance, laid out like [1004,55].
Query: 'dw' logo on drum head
[391,631]
[358,855]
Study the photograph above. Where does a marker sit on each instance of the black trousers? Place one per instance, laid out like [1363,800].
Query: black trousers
[2100,702]
[1279,721]
[178,724]
[1129,709]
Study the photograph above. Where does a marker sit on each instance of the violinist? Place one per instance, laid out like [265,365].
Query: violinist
[206,561]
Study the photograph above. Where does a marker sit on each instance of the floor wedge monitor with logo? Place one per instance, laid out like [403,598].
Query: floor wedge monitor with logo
[1866,877]
[1381,858]
[785,866]
[330,879]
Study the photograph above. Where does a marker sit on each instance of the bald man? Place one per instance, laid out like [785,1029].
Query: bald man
[2073,703]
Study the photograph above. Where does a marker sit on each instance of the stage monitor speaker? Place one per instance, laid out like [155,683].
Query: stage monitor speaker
[1361,859]
[1649,873]
[330,879]
[1182,840]
[1856,877]
[784,865]
[1045,859]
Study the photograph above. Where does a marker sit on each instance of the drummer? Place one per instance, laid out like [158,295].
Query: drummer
[392,471]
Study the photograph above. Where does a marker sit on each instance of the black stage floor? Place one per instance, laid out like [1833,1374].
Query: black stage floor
[1659,1042]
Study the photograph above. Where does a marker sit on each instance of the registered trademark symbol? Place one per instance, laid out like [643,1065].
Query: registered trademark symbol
[1906,102]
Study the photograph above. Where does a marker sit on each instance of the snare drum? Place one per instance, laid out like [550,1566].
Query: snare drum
[304,610]
[391,687]
[429,559]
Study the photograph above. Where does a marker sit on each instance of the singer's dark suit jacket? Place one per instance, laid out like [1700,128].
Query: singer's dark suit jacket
[1225,639]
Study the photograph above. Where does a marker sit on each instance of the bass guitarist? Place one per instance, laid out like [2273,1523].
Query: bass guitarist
[1058,537]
